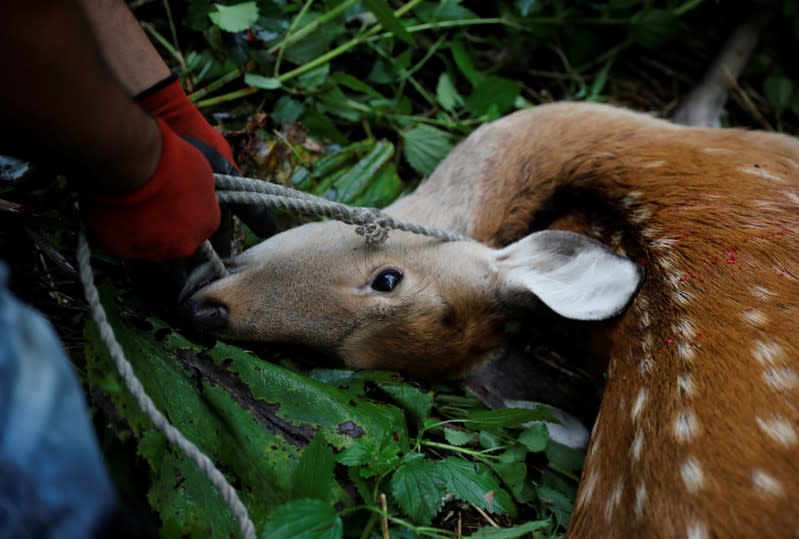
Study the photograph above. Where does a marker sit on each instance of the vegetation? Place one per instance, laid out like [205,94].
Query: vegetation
[357,101]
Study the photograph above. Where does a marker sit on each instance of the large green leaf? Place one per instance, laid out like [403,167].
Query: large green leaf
[425,147]
[304,519]
[382,12]
[418,490]
[252,418]
[235,18]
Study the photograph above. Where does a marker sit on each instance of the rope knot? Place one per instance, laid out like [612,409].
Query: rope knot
[374,226]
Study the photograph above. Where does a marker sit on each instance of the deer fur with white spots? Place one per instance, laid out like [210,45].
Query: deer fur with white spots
[698,430]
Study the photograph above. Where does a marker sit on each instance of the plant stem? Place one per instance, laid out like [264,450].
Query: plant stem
[164,42]
[215,85]
[305,7]
[686,7]
[226,98]
[311,27]
[455,449]
[181,60]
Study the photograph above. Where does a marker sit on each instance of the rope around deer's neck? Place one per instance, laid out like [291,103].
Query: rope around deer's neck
[373,225]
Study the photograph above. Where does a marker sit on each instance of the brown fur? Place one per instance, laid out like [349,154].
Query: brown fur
[714,217]
[697,430]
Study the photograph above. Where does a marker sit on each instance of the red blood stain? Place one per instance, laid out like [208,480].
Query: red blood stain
[699,336]
[642,261]
[668,340]
[395,436]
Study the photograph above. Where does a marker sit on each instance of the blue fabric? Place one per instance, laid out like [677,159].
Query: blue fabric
[53,483]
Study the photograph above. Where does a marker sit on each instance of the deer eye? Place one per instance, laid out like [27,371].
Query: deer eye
[387,280]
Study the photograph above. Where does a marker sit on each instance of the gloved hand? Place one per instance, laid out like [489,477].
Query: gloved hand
[168,217]
[168,101]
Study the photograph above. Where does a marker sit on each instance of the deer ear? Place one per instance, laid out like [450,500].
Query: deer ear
[575,276]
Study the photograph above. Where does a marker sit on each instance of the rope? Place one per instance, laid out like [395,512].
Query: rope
[146,404]
[371,223]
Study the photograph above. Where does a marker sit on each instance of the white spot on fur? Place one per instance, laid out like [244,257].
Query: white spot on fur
[588,487]
[683,297]
[650,232]
[685,351]
[765,205]
[756,317]
[685,385]
[697,530]
[666,263]
[778,429]
[647,343]
[631,198]
[663,244]
[637,446]
[685,328]
[639,403]
[768,353]
[615,240]
[766,484]
[781,378]
[614,500]
[640,215]
[692,475]
[640,500]
[793,197]
[653,164]
[596,230]
[715,151]
[647,364]
[645,320]
[761,173]
[686,426]
[761,292]
[674,279]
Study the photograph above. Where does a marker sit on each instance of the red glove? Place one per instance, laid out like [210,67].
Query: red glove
[169,216]
[168,101]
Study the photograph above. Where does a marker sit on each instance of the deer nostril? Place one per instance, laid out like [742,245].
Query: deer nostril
[205,315]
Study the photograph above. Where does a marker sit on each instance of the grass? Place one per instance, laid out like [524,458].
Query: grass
[357,101]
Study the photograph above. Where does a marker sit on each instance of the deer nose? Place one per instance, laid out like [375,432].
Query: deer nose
[204,316]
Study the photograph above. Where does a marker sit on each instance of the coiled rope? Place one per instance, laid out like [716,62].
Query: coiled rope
[371,223]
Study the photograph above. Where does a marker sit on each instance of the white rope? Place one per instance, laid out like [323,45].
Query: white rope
[373,225]
[144,401]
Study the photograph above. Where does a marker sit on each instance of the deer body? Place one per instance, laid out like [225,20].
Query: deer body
[698,430]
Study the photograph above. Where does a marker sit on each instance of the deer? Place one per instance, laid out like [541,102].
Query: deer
[673,251]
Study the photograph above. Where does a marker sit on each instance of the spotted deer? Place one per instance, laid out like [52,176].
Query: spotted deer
[674,249]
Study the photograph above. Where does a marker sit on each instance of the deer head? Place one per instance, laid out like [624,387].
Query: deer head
[418,305]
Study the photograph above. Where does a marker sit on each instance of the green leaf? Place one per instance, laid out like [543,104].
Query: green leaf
[490,440]
[287,110]
[778,91]
[449,10]
[313,477]
[525,7]
[304,519]
[491,92]
[356,84]
[564,458]
[316,43]
[505,417]
[560,505]
[425,147]
[375,458]
[473,483]
[314,78]
[418,490]
[235,18]
[511,533]
[259,81]
[355,181]
[411,399]
[381,10]
[446,94]
[535,438]
[513,474]
[457,437]
[653,28]
[463,59]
